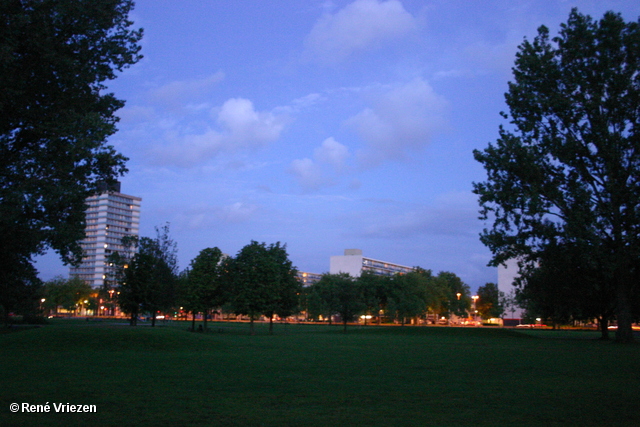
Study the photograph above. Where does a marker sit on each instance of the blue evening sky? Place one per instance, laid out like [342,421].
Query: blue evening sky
[324,125]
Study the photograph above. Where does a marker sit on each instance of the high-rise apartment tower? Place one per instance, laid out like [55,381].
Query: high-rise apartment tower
[110,216]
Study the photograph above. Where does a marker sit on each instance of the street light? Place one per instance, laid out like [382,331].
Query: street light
[475,299]
[111,291]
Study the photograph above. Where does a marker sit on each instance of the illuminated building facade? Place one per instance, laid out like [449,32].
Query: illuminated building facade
[110,216]
[308,279]
[354,263]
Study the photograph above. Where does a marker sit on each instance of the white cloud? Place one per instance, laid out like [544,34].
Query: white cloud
[240,126]
[247,127]
[177,92]
[359,26]
[238,212]
[400,121]
[332,153]
[204,217]
[308,174]
[329,159]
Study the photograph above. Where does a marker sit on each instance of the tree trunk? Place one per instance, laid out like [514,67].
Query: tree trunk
[624,333]
[193,321]
[345,324]
[603,325]
[204,320]
[251,330]
[153,319]
[133,320]
[271,324]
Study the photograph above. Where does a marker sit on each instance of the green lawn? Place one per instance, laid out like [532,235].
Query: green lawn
[308,375]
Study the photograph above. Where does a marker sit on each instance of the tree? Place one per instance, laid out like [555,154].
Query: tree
[286,286]
[375,292]
[204,283]
[55,118]
[408,295]
[188,296]
[436,293]
[148,282]
[262,280]
[451,285]
[568,170]
[19,292]
[65,293]
[340,294]
[321,300]
[567,286]
[489,303]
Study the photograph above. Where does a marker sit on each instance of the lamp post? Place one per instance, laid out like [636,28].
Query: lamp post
[111,301]
[475,299]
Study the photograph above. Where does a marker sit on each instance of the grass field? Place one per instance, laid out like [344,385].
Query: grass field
[315,375]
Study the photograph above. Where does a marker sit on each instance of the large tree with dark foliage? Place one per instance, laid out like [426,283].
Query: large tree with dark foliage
[489,303]
[455,294]
[340,294]
[567,286]
[203,287]
[566,172]
[55,118]
[408,295]
[148,282]
[262,281]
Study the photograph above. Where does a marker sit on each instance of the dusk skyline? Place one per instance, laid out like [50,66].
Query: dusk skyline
[324,125]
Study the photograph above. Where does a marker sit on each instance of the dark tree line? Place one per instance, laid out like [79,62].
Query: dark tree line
[259,281]
[148,281]
[399,298]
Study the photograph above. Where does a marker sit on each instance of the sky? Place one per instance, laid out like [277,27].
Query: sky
[323,125]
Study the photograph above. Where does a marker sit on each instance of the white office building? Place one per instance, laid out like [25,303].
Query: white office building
[110,216]
[354,263]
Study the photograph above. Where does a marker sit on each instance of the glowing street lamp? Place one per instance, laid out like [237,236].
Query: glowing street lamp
[475,299]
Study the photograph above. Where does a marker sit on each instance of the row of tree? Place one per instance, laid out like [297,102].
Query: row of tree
[261,281]
[397,298]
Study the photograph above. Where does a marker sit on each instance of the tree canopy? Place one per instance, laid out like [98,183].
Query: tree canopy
[262,281]
[566,171]
[55,117]
[490,301]
[408,295]
[65,293]
[148,281]
[202,285]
